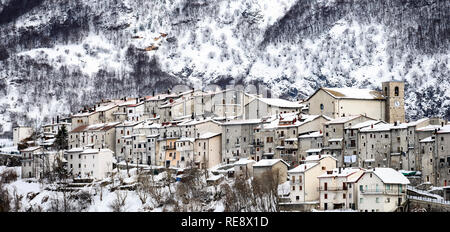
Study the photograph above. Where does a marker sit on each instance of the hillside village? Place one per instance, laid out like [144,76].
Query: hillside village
[339,149]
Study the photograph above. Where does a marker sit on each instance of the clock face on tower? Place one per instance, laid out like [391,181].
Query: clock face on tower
[397,103]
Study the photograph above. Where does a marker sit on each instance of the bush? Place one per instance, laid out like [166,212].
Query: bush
[8,176]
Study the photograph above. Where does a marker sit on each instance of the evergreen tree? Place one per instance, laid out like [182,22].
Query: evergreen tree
[61,140]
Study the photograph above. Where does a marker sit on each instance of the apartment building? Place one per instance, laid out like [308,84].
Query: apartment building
[237,135]
[334,133]
[303,178]
[335,190]
[381,190]
[90,163]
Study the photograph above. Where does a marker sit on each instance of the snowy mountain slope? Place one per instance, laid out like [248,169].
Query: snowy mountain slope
[67,54]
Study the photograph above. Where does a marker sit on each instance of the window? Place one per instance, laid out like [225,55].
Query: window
[377,200]
[344,196]
[293,187]
[325,196]
[321,106]
[396,91]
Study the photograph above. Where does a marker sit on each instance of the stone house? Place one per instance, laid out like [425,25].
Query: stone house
[277,167]
[334,133]
[237,135]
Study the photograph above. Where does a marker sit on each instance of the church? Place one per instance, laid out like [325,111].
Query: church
[387,105]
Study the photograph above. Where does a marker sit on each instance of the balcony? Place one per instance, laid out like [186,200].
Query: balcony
[341,188]
[296,182]
[291,146]
[257,144]
[383,191]
[169,147]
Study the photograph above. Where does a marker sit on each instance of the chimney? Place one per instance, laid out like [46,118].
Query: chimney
[53,120]
[371,126]
[339,170]
[153,93]
[395,123]
[57,119]
[137,100]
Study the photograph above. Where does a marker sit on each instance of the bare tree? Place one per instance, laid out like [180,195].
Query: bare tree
[143,187]
[118,204]
[16,201]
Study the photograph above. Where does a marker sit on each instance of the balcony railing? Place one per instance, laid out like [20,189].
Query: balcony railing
[296,182]
[341,188]
[170,147]
[257,144]
[383,191]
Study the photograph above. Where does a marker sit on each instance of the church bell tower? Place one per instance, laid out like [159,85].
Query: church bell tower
[394,91]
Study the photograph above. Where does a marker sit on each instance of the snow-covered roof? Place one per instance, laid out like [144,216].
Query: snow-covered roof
[287,120]
[342,119]
[280,103]
[84,114]
[184,139]
[427,140]
[208,135]
[75,149]
[353,93]
[30,149]
[317,157]
[244,161]
[242,122]
[365,124]
[93,151]
[152,136]
[444,130]
[345,172]
[313,150]
[428,128]
[312,135]
[335,140]
[415,123]
[269,162]
[355,176]
[215,177]
[105,107]
[377,128]
[389,176]
[302,168]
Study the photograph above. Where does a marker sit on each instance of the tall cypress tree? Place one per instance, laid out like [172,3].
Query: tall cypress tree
[61,140]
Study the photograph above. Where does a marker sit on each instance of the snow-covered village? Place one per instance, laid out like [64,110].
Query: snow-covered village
[235,106]
[340,149]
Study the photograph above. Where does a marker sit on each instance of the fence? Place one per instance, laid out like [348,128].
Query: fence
[429,199]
